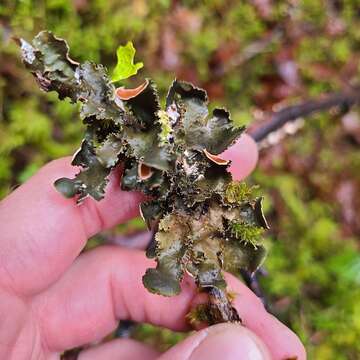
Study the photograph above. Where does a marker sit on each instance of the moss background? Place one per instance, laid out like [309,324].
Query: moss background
[251,57]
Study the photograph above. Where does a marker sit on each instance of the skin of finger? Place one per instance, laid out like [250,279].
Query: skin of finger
[14,328]
[243,155]
[281,341]
[222,341]
[124,349]
[104,285]
[41,230]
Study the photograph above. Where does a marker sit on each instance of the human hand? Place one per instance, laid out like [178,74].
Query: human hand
[53,299]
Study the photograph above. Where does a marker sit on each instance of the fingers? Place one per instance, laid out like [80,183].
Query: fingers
[280,340]
[120,349]
[101,287]
[105,285]
[223,341]
[42,232]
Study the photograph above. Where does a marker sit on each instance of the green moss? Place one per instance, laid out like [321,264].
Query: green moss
[165,126]
[246,232]
[239,191]
[305,216]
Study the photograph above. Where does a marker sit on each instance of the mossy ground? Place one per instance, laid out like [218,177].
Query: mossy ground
[248,58]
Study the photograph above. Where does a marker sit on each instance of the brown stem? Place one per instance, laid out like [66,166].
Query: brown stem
[219,307]
[278,119]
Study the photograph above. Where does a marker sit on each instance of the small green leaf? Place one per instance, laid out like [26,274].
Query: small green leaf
[125,66]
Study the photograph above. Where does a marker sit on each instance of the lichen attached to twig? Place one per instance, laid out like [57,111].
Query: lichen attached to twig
[205,222]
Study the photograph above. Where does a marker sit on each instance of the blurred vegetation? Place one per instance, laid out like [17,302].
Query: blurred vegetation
[251,57]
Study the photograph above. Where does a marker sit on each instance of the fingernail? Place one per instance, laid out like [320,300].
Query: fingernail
[229,341]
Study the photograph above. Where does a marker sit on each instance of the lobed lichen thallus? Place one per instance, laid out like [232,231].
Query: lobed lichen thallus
[205,223]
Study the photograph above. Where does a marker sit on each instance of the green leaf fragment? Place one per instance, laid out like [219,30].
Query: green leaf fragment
[125,66]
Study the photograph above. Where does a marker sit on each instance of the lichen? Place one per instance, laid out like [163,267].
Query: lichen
[204,222]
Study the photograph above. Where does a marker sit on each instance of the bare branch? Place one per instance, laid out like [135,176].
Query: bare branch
[277,120]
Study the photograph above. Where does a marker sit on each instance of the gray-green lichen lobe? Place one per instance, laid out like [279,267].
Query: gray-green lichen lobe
[205,222]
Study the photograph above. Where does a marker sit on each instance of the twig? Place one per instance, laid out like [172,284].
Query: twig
[278,119]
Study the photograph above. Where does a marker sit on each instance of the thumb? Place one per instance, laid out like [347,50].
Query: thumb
[222,341]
